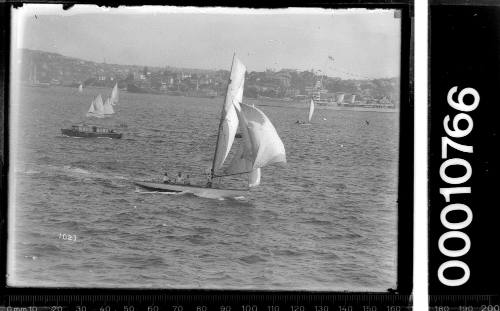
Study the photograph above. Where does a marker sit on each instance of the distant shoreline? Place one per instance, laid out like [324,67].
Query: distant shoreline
[299,105]
[261,103]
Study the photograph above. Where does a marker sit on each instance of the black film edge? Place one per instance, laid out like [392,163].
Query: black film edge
[464,73]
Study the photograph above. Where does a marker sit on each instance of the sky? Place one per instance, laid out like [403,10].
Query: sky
[340,43]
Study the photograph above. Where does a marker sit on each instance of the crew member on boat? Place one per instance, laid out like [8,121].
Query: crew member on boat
[166,179]
[209,181]
[179,178]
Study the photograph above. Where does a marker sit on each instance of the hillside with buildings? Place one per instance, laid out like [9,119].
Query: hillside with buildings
[285,84]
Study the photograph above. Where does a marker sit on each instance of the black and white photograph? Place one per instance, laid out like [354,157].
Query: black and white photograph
[204,148]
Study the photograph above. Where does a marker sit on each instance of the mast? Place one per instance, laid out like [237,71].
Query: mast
[212,171]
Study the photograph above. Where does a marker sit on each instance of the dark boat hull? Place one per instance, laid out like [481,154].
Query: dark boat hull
[200,191]
[70,132]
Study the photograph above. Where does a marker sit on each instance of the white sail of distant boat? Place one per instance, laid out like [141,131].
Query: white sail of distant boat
[80,88]
[107,107]
[96,108]
[261,144]
[114,95]
[33,76]
[311,110]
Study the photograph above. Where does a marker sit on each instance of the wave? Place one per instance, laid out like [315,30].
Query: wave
[46,249]
[76,170]
[140,261]
[196,239]
[27,171]
[315,221]
[287,253]
[252,259]
[66,136]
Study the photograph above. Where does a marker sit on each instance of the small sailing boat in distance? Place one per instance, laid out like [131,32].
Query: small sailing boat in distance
[260,145]
[311,111]
[96,108]
[114,95]
[80,88]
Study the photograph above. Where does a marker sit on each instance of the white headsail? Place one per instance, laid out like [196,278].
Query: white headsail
[311,110]
[254,178]
[91,108]
[114,95]
[267,146]
[229,119]
[108,108]
[96,108]
[261,144]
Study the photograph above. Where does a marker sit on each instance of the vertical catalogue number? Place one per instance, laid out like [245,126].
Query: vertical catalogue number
[455,131]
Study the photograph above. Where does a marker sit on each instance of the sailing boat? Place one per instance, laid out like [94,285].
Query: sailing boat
[99,110]
[80,88]
[261,144]
[33,79]
[107,107]
[96,108]
[114,95]
[311,111]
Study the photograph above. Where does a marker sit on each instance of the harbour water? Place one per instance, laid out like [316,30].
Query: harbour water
[327,220]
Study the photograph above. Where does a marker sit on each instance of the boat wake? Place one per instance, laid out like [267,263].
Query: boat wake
[76,170]
[215,196]
[68,170]
[177,193]
[207,195]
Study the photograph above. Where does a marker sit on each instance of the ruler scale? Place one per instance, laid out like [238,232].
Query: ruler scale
[242,302]
[208,302]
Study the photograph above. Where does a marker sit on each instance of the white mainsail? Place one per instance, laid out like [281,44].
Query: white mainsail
[114,95]
[311,110]
[96,108]
[229,119]
[98,105]
[80,88]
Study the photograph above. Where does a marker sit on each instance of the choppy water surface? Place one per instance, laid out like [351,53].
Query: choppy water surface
[325,221]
